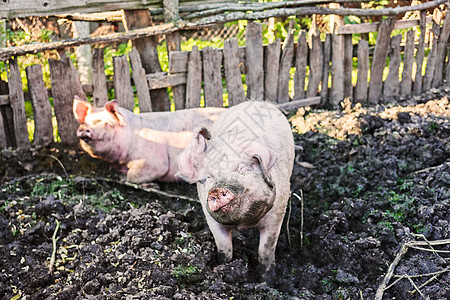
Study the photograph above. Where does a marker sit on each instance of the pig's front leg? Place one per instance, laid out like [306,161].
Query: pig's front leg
[222,237]
[269,230]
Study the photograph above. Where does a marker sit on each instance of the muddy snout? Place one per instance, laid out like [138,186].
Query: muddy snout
[84,132]
[219,198]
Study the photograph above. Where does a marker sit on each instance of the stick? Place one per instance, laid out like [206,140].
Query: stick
[287,222]
[301,215]
[151,190]
[390,272]
[54,240]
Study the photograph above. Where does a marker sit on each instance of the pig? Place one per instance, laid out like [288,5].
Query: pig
[242,167]
[143,146]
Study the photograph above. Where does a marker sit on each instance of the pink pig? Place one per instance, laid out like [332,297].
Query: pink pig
[242,167]
[144,146]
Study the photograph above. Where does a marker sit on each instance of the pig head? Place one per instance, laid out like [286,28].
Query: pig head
[242,167]
[143,146]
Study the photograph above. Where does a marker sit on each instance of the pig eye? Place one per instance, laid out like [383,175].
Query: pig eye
[95,122]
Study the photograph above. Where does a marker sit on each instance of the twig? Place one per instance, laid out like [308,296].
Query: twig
[54,240]
[151,190]
[428,274]
[431,168]
[416,288]
[60,163]
[301,215]
[390,272]
[287,222]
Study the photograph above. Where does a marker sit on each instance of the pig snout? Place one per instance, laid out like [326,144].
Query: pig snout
[84,133]
[218,198]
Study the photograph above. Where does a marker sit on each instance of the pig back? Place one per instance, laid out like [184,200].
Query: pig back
[262,123]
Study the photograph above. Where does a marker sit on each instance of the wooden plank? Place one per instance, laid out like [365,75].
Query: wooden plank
[18,105]
[373,27]
[173,40]
[42,110]
[65,85]
[315,66]
[194,79]
[301,57]
[212,77]
[363,69]
[122,83]
[83,52]
[147,48]
[379,60]
[337,70]
[140,81]
[325,69]
[272,55]
[408,62]
[431,61]
[441,52]
[296,103]
[284,74]
[254,61]
[7,116]
[233,77]
[420,55]
[348,66]
[100,92]
[392,84]
[163,80]
[3,143]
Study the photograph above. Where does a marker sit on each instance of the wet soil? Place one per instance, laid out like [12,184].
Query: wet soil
[367,184]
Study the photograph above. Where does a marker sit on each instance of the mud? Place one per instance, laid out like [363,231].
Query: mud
[368,182]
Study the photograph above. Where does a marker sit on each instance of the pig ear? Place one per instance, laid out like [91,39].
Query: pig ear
[81,108]
[113,107]
[266,159]
[190,161]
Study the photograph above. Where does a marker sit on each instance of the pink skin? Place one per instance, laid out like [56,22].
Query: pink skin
[219,198]
[242,166]
[145,146]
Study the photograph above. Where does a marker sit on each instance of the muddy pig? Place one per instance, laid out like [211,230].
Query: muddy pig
[242,167]
[144,146]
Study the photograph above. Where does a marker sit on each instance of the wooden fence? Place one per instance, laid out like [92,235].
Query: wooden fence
[323,75]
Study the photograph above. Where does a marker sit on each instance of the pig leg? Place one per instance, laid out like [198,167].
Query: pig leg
[269,229]
[222,237]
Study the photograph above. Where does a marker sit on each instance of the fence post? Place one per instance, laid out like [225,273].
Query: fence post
[122,82]
[42,110]
[285,65]
[315,66]
[417,87]
[254,60]
[325,69]
[441,51]
[147,48]
[233,77]
[408,61]
[272,54]
[171,8]
[301,58]
[212,77]
[83,52]
[363,69]
[392,84]
[100,93]
[194,79]
[140,81]
[379,59]
[348,66]
[431,61]
[17,100]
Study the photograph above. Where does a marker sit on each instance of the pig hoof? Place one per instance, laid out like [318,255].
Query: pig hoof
[268,275]
[222,258]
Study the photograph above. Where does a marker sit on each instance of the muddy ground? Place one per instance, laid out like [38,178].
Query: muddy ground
[369,182]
